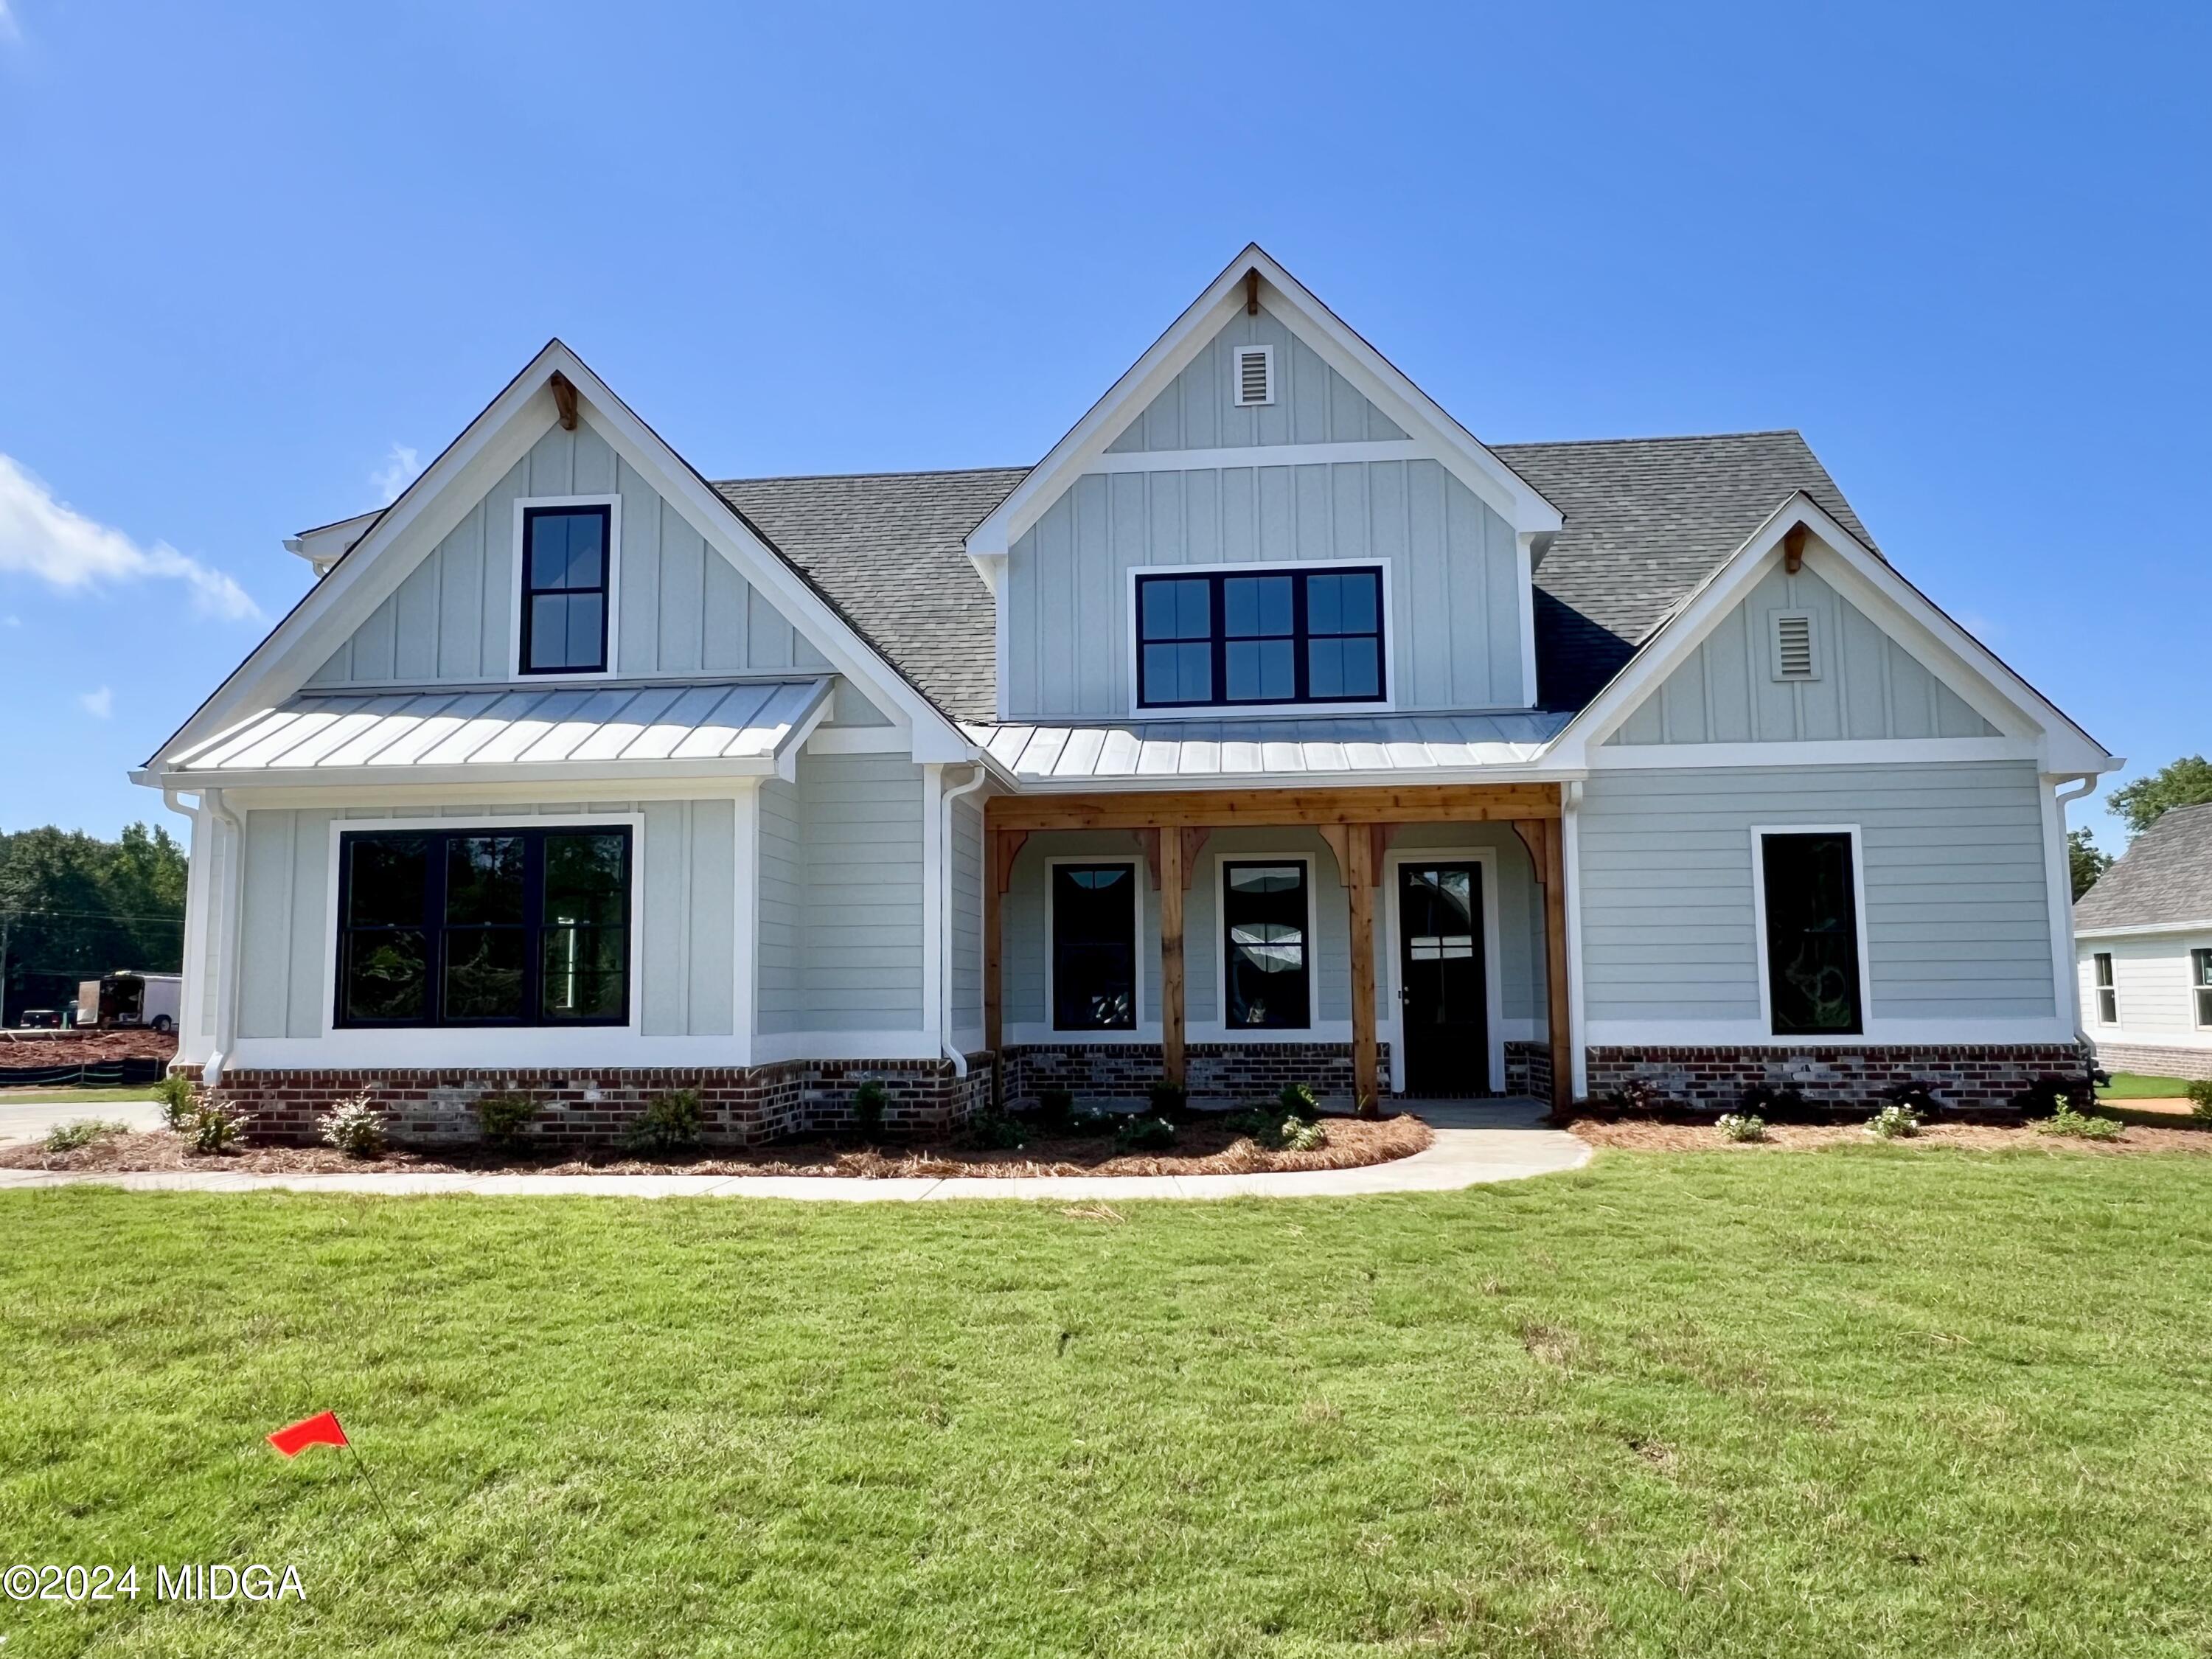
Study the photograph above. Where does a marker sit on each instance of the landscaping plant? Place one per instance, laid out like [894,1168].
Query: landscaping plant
[68,1136]
[215,1127]
[179,1097]
[1168,1097]
[354,1127]
[994,1131]
[502,1119]
[1894,1123]
[1055,1110]
[2080,1126]
[868,1103]
[1298,1101]
[1146,1134]
[1741,1126]
[670,1123]
[2200,1100]
[1637,1097]
[1777,1104]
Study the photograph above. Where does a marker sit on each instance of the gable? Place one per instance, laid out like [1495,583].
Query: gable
[680,606]
[1869,686]
[1314,404]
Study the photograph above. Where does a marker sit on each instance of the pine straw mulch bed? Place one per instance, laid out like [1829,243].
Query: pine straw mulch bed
[1201,1148]
[1655,1136]
[36,1050]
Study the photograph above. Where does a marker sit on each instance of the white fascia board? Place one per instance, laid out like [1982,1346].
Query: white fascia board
[2141,929]
[521,794]
[323,546]
[1184,782]
[1334,341]
[1981,678]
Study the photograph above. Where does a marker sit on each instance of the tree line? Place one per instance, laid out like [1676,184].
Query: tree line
[74,906]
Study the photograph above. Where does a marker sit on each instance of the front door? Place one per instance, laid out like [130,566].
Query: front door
[1443,1009]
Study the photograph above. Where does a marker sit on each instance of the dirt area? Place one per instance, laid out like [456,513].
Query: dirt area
[35,1050]
[1644,1135]
[1200,1149]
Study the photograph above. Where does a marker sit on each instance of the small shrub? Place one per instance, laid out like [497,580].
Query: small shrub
[1637,1097]
[1254,1120]
[1146,1134]
[2080,1126]
[502,1119]
[179,1097]
[868,1103]
[1894,1123]
[1168,1097]
[2200,1099]
[1741,1126]
[1298,1101]
[215,1127]
[354,1126]
[993,1132]
[68,1136]
[1055,1110]
[1298,1134]
[2046,1095]
[1784,1104]
[670,1123]
[1090,1121]
[1918,1096]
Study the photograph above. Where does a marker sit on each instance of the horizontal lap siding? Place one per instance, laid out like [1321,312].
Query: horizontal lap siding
[782,872]
[861,932]
[965,918]
[2153,978]
[1957,909]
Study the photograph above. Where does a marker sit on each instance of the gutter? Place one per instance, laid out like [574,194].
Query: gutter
[945,1045]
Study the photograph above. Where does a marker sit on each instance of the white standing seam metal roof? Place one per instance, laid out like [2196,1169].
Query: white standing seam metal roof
[1332,748]
[419,730]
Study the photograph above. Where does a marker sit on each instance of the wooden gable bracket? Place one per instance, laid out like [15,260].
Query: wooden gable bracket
[1532,833]
[1338,836]
[1191,844]
[1792,547]
[1005,847]
[564,399]
[1252,292]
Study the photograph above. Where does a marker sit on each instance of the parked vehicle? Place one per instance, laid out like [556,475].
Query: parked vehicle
[125,998]
[41,1020]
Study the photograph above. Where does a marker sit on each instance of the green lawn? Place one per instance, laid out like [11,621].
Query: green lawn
[2132,1085]
[75,1097]
[1866,1401]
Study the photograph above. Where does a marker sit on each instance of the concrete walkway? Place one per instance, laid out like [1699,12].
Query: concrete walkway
[1475,1142]
[29,1119]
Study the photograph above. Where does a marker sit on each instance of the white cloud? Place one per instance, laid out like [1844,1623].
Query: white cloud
[99,704]
[8,29]
[400,468]
[51,540]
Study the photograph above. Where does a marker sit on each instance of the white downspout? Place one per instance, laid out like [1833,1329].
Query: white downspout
[951,1049]
[1570,857]
[230,918]
[2067,970]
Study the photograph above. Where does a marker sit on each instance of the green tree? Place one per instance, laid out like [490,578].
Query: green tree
[2184,782]
[73,906]
[2086,860]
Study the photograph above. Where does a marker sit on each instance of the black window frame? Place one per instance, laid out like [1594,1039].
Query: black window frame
[1301,636]
[1772,943]
[1058,984]
[1307,926]
[606,513]
[435,926]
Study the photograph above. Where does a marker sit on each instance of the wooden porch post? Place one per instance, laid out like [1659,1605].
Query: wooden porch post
[1172,896]
[1547,854]
[1358,852]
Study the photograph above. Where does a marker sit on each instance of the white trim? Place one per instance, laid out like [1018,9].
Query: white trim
[934,901]
[2058,889]
[1215,711]
[1524,554]
[1758,832]
[1815,751]
[1221,1031]
[1237,354]
[1137,869]
[2099,988]
[1256,455]
[1571,872]
[606,670]
[1880,1033]
[1390,990]
[744,925]
[2144,928]
[404,1039]
[483,1048]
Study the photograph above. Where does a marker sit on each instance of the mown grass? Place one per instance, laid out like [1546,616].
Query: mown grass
[2133,1085]
[1860,1402]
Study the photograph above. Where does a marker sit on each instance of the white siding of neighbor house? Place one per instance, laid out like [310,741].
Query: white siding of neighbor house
[682,608]
[1869,686]
[1453,634]
[1314,404]
[685,859]
[2157,999]
[1958,917]
[964,916]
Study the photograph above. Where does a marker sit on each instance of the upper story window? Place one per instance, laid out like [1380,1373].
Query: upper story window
[564,589]
[1219,639]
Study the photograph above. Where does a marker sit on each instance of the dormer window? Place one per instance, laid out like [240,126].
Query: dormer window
[565,561]
[1278,634]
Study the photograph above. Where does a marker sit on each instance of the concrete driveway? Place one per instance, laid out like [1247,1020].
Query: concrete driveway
[29,1119]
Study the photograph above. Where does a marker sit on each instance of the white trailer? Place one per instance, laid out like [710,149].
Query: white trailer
[123,999]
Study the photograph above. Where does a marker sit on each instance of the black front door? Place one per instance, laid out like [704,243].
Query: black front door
[1444,1018]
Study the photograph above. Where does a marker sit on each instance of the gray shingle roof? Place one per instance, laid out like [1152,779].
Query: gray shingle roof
[2165,875]
[1647,519]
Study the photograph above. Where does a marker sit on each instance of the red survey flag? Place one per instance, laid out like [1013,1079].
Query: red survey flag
[320,1430]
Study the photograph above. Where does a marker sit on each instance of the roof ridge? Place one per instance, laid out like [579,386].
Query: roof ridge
[1655,438]
[906,473]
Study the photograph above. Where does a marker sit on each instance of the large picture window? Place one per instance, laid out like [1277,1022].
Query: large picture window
[564,589]
[1267,980]
[1094,947]
[1812,934]
[1275,636]
[484,928]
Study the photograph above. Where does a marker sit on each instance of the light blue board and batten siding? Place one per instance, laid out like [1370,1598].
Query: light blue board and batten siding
[683,607]
[1314,404]
[841,897]
[685,858]
[1958,912]
[1870,686]
[1454,621]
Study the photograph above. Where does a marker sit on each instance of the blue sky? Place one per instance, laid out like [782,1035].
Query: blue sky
[255,261]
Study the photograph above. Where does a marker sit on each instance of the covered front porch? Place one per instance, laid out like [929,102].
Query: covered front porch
[1400,940]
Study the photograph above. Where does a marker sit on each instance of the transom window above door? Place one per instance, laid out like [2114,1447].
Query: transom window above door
[1228,638]
[565,560]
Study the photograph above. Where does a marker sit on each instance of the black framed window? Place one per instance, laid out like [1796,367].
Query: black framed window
[1218,639]
[1094,947]
[1812,934]
[1268,982]
[483,926]
[565,561]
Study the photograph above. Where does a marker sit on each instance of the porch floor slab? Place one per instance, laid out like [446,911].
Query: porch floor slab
[1475,1142]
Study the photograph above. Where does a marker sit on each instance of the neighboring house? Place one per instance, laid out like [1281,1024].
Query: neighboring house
[2144,937]
[1270,728]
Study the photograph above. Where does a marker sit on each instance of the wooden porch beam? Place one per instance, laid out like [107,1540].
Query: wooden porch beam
[1218,809]
[1555,969]
[1173,880]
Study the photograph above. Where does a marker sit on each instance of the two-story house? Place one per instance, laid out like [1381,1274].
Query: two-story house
[1270,727]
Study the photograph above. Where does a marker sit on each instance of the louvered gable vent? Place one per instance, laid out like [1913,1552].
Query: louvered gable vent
[1255,376]
[1794,655]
